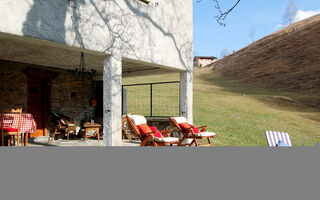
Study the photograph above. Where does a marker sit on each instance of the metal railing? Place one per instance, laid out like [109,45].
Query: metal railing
[159,99]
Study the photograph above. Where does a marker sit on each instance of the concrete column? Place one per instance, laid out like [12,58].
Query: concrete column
[112,81]
[186,95]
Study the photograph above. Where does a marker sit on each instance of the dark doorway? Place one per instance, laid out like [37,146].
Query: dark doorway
[99,95]
[37,104]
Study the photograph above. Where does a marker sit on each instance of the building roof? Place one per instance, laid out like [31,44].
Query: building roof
[205,57]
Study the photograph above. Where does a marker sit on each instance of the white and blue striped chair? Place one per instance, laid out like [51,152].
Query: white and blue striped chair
[278,139]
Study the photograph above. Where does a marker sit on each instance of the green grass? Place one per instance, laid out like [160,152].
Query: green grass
[240,113]
[165,100]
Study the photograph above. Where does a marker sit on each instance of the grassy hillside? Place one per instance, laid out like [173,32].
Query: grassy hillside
[287,60]
[241,113]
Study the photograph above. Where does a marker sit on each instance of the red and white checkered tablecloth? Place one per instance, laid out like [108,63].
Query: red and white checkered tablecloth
[28,125]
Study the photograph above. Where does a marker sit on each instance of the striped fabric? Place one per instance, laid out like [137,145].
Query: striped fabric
[275,137]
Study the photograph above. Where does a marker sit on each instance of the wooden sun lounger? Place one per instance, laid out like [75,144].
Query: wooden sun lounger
[190,134]
[148,139]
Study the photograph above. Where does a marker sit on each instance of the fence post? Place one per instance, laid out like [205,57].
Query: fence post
[150,99]
[124,101]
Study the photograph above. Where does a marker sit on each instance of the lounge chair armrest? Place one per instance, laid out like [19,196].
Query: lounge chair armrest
[190,130]
[203,128]
[150,133]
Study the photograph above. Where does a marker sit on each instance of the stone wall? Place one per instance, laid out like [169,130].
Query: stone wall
[69,93]
[161,124]
[13,86]
[287,60]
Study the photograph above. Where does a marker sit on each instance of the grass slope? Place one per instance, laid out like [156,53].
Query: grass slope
[241,113]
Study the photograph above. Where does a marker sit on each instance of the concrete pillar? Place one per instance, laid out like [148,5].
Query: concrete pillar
[112,81]
[186,95]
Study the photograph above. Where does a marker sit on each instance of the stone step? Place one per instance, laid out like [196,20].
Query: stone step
[39,139]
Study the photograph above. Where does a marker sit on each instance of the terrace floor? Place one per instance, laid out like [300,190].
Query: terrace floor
[43,142]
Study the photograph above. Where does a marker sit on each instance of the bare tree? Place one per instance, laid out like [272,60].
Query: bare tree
[252,33]
[224,53]
[221,17]
[290,13]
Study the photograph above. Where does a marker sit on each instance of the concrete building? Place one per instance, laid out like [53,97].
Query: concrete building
[41,42]
[203,61]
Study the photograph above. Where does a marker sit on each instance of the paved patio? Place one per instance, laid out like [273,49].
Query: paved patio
[44,142]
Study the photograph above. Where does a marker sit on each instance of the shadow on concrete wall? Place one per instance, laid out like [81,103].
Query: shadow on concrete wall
[179,48]
[76,19]
[46,20]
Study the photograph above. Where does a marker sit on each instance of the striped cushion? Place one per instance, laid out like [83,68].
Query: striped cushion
[275,137]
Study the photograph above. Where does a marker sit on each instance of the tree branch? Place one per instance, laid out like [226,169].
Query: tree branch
[222,14]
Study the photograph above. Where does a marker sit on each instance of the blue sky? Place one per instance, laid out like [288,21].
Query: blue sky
[264,15]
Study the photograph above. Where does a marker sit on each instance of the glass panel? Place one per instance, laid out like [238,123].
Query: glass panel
[165,99]
[138,100]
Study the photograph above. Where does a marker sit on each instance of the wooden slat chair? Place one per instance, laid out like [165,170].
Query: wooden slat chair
[276,139]
[125,134]
[64,126]
[189,132]
[13,129]
[149,138]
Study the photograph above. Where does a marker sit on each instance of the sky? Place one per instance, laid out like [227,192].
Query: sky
[262,16]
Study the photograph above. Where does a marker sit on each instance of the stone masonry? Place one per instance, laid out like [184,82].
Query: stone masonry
[13,86]
[69,92]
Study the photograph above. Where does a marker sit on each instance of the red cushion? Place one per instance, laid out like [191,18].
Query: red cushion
[144,129]
[9,129]
[195,129]
[156,132]
[186,127]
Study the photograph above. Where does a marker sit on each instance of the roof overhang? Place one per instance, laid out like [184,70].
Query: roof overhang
[50,54]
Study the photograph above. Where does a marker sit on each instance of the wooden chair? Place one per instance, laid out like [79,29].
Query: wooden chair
[150,138]
[64,126]
[125,134]
[10,131]
[190,132]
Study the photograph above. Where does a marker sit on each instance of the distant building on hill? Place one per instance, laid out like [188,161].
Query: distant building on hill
[203,61]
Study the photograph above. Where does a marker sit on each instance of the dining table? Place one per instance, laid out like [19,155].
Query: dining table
[27,125]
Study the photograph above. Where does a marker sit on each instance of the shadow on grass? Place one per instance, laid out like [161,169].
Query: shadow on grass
[277,99]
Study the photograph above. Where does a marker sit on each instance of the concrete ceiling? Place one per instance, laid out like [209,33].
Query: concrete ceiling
[38,52]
